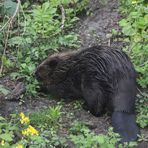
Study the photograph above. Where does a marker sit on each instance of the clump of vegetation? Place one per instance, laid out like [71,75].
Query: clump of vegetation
[47,118]
[142,110]
[19,133]
[135,27]
[31,32]
[82,137]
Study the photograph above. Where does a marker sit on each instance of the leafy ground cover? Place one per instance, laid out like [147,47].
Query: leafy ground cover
[36,29]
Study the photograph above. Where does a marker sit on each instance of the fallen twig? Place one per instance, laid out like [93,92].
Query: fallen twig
[11,18]
[17,92]
[6,39]
[4,52]
[143,94]
[63,16]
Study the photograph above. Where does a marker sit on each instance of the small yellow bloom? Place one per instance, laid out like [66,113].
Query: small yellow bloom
[22,115]
[2,142]
[30,131]
[25,132]
[19,146]
[24,119]
[33,131]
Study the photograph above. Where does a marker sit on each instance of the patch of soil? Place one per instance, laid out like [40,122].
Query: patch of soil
[26,105]
[97,28]
[93,29]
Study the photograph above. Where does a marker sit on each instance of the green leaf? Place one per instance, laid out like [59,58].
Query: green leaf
[123,22]
[101,139]
[3,90]
[9,7]
[141,23]
[134,14]
[128,30]
[6,137]
[17,40]
[2,119]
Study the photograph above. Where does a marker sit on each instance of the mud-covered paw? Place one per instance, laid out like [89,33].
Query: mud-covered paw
[125,124]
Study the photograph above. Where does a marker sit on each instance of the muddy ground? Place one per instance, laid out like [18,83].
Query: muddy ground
[93,30]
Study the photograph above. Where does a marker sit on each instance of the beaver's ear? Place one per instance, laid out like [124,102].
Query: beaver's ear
[54,62]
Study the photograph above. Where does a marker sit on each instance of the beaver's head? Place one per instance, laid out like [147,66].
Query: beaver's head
[45,70]
[53,68]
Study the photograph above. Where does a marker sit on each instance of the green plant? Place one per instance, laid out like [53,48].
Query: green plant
[46,28]
[82,137]
[20,133]
[81,5]
[47,118]
[77,104]
[88,139]
[142,110]
[52,139]
[3,90]
[77,127]
[54,114]
[143,137]
[6,132]
[44,34]
[134,26]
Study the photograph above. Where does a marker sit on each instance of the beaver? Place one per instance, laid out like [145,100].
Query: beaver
[103,76]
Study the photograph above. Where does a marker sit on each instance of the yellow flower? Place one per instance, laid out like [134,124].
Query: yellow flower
[19,146]
[2,142]
[22,115]
[24,119]
[25,132]
[30,131]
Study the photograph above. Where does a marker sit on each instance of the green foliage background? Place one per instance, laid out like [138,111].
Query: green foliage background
[35,32]
[135,26]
